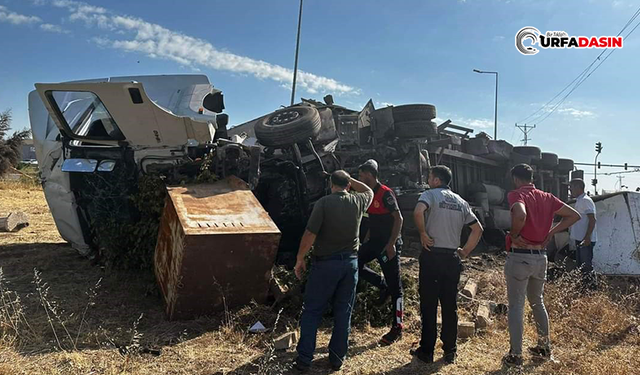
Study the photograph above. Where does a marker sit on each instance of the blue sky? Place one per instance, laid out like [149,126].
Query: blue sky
[394,52]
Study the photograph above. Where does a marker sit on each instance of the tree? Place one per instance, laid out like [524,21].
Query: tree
[10,146]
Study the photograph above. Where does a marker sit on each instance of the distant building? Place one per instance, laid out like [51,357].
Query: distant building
[28,150]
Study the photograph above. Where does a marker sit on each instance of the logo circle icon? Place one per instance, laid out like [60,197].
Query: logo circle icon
[525,33]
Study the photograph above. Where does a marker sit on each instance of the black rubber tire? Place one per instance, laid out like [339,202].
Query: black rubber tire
[288,126]
[549,159]
[414,112]
[416,129]
[565,165]
[534,152]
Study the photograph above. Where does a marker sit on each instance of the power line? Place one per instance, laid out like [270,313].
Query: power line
[583,75]
[589,75]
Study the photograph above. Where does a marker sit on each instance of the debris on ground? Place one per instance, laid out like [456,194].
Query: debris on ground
[14,222]
[470,289]
[258,327]
[483,315]
[466,329]
[286,341]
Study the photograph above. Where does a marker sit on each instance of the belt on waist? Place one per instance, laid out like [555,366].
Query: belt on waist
[338,256]
[442,250]
[529,251]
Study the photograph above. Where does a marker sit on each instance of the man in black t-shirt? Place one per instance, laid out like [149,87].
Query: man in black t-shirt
[381,241]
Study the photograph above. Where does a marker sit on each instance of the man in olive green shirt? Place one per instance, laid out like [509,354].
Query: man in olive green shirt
[333,230]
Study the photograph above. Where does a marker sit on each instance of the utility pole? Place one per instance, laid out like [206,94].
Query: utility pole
[295,64]
[495,110]
[525,129]
[620,177]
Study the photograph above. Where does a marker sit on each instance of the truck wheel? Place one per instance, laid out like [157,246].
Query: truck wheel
[534,152]
[412,129]
[565,165]
[413,112]
[549,159]
[288,126]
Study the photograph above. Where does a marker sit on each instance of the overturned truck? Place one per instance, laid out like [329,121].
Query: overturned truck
[301,142]
[97,137]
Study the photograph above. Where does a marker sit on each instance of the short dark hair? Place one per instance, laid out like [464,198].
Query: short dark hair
[578,182]
[442,172]
[340,178]
[522,172]
[369,169]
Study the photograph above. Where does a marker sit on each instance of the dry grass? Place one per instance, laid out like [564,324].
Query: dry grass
[595,333]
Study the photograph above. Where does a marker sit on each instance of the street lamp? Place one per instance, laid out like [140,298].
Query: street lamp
[295,64]
[495,121]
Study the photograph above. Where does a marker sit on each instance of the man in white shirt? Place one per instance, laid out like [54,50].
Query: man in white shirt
[583,232]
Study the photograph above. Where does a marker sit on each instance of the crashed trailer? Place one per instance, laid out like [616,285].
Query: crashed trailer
[617,251]
[216,247]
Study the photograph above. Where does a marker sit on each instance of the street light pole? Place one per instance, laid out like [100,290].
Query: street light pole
[295,64]
[495,111]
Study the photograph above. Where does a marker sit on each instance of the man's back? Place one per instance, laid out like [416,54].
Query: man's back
[447,214]
[540,207]
[336,221]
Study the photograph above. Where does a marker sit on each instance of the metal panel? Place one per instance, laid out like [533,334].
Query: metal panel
[617,250]
[216,248]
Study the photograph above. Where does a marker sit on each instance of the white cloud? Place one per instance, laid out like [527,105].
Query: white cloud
[137,35]
[383,104]
[576,112]
[498,38]
[17,19]
[474,123]
[53,28]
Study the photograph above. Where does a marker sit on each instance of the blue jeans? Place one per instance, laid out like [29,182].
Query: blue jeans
[584,257]
[329,280]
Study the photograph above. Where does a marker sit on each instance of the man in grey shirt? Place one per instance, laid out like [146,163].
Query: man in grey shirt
[332,230]
[440,216]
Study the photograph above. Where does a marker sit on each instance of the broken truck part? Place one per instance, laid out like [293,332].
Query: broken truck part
[216,247]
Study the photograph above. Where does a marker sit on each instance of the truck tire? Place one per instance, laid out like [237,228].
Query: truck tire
[416,129]
[288,126]
[534,152]
[413,112]
[549,159]
[565,165]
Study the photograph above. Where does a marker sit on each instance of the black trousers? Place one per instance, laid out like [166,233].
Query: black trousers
[372,250]
[439,277]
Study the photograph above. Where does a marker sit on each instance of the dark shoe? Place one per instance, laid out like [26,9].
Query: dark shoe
[300,367]
[450,358]
[512,360]
[392,336]
[426,357]
[383,296]
[336,367]
[540,351]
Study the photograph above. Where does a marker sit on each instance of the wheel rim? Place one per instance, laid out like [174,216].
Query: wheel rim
[283,117]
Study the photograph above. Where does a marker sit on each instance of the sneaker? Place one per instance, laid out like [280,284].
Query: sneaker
[450,358]
[426,357]
[392,336]
[540,351]
[512,360]
[300,367]
[336,367]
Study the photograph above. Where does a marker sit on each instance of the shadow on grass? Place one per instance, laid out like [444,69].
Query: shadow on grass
[122,299]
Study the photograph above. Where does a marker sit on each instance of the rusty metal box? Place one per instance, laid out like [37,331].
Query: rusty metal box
[216,247]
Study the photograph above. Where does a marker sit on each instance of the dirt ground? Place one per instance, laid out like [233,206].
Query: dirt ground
[106,322]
